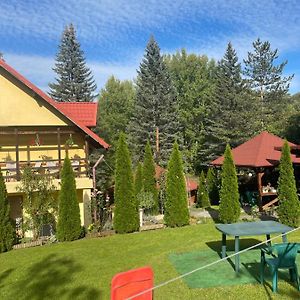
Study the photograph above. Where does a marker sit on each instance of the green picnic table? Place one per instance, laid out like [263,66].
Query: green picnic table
[249,229]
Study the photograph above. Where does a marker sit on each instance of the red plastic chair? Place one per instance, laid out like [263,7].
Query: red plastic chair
[130,283]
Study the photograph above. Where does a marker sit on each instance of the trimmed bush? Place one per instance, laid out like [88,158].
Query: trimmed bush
[126,217]
[68,225]
[138,179]
[229,208]
[289,207]
[6,229]
[149,182]
[203,199]
[176,204]
[212,182]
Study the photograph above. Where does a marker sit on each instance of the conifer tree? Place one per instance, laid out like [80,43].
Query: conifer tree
[229,108]
[289,205]
[149,182]
[68,224]
[229,208]
[176,204]
[138,179]
[126,218]
[155,108]
[202,196]
[212,182]
[6,229]
[268,85]
[75,82]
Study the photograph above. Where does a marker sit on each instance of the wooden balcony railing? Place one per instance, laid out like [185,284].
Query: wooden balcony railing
[12,170]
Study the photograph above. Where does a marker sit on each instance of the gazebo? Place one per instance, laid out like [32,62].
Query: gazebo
[260,153]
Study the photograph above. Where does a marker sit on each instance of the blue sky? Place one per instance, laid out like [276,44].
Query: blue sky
[113,33]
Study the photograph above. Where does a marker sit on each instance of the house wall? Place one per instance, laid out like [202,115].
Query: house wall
[19,108]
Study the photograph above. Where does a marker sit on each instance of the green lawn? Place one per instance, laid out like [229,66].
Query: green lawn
[84,269]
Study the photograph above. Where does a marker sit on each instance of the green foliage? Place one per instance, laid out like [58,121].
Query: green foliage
[155,107]
[68,225]
[6,229]
[176,204]
[146,202]
[193,76]
[75,81]
[126,218]
[39,201]
[202,196]
[229,208]
[289,206]
[115,109]
[149,182]
[229,108]
[212,182]
[269,87]
[138,179]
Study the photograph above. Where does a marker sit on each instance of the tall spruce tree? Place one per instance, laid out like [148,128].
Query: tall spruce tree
[289,205]
[126,218]
[6,229]
[229,208]
[268,85]
[194,79]
[68,224]
[202,196]
[149,182]
[75,82]
[176,203]
[155,108]
[229,108]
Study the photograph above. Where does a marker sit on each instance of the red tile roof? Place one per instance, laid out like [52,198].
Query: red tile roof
[85,112]
[261,151]
[44,97]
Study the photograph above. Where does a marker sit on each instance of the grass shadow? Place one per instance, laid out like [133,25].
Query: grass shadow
[51,278]
[214,214]
[4,275]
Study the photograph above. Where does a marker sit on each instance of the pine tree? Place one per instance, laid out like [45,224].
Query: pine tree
[212,182]
[289,206]
[68,225]
[229,208]
[202,196]
[155,107]
[229,108]
[6,229]
[149,182]
[268,85]
[75,82]
[138,179]
[176,204]
[126,218]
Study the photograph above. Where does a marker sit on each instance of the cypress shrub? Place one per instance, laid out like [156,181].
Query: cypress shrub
[212,183]
[126,217]
[149,182]
[176,207]
[68,224]
[203,199]
[6,228]
[289,207]
[229,208]
[138,179]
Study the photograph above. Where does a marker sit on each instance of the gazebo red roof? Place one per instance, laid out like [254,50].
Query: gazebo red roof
[262,150]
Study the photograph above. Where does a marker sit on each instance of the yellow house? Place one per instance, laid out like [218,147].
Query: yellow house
[37,131]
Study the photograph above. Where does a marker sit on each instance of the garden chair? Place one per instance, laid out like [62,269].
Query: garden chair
[128,284]
[285,259]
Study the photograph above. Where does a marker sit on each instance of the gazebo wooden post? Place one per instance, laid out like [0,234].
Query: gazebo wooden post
[259,175]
